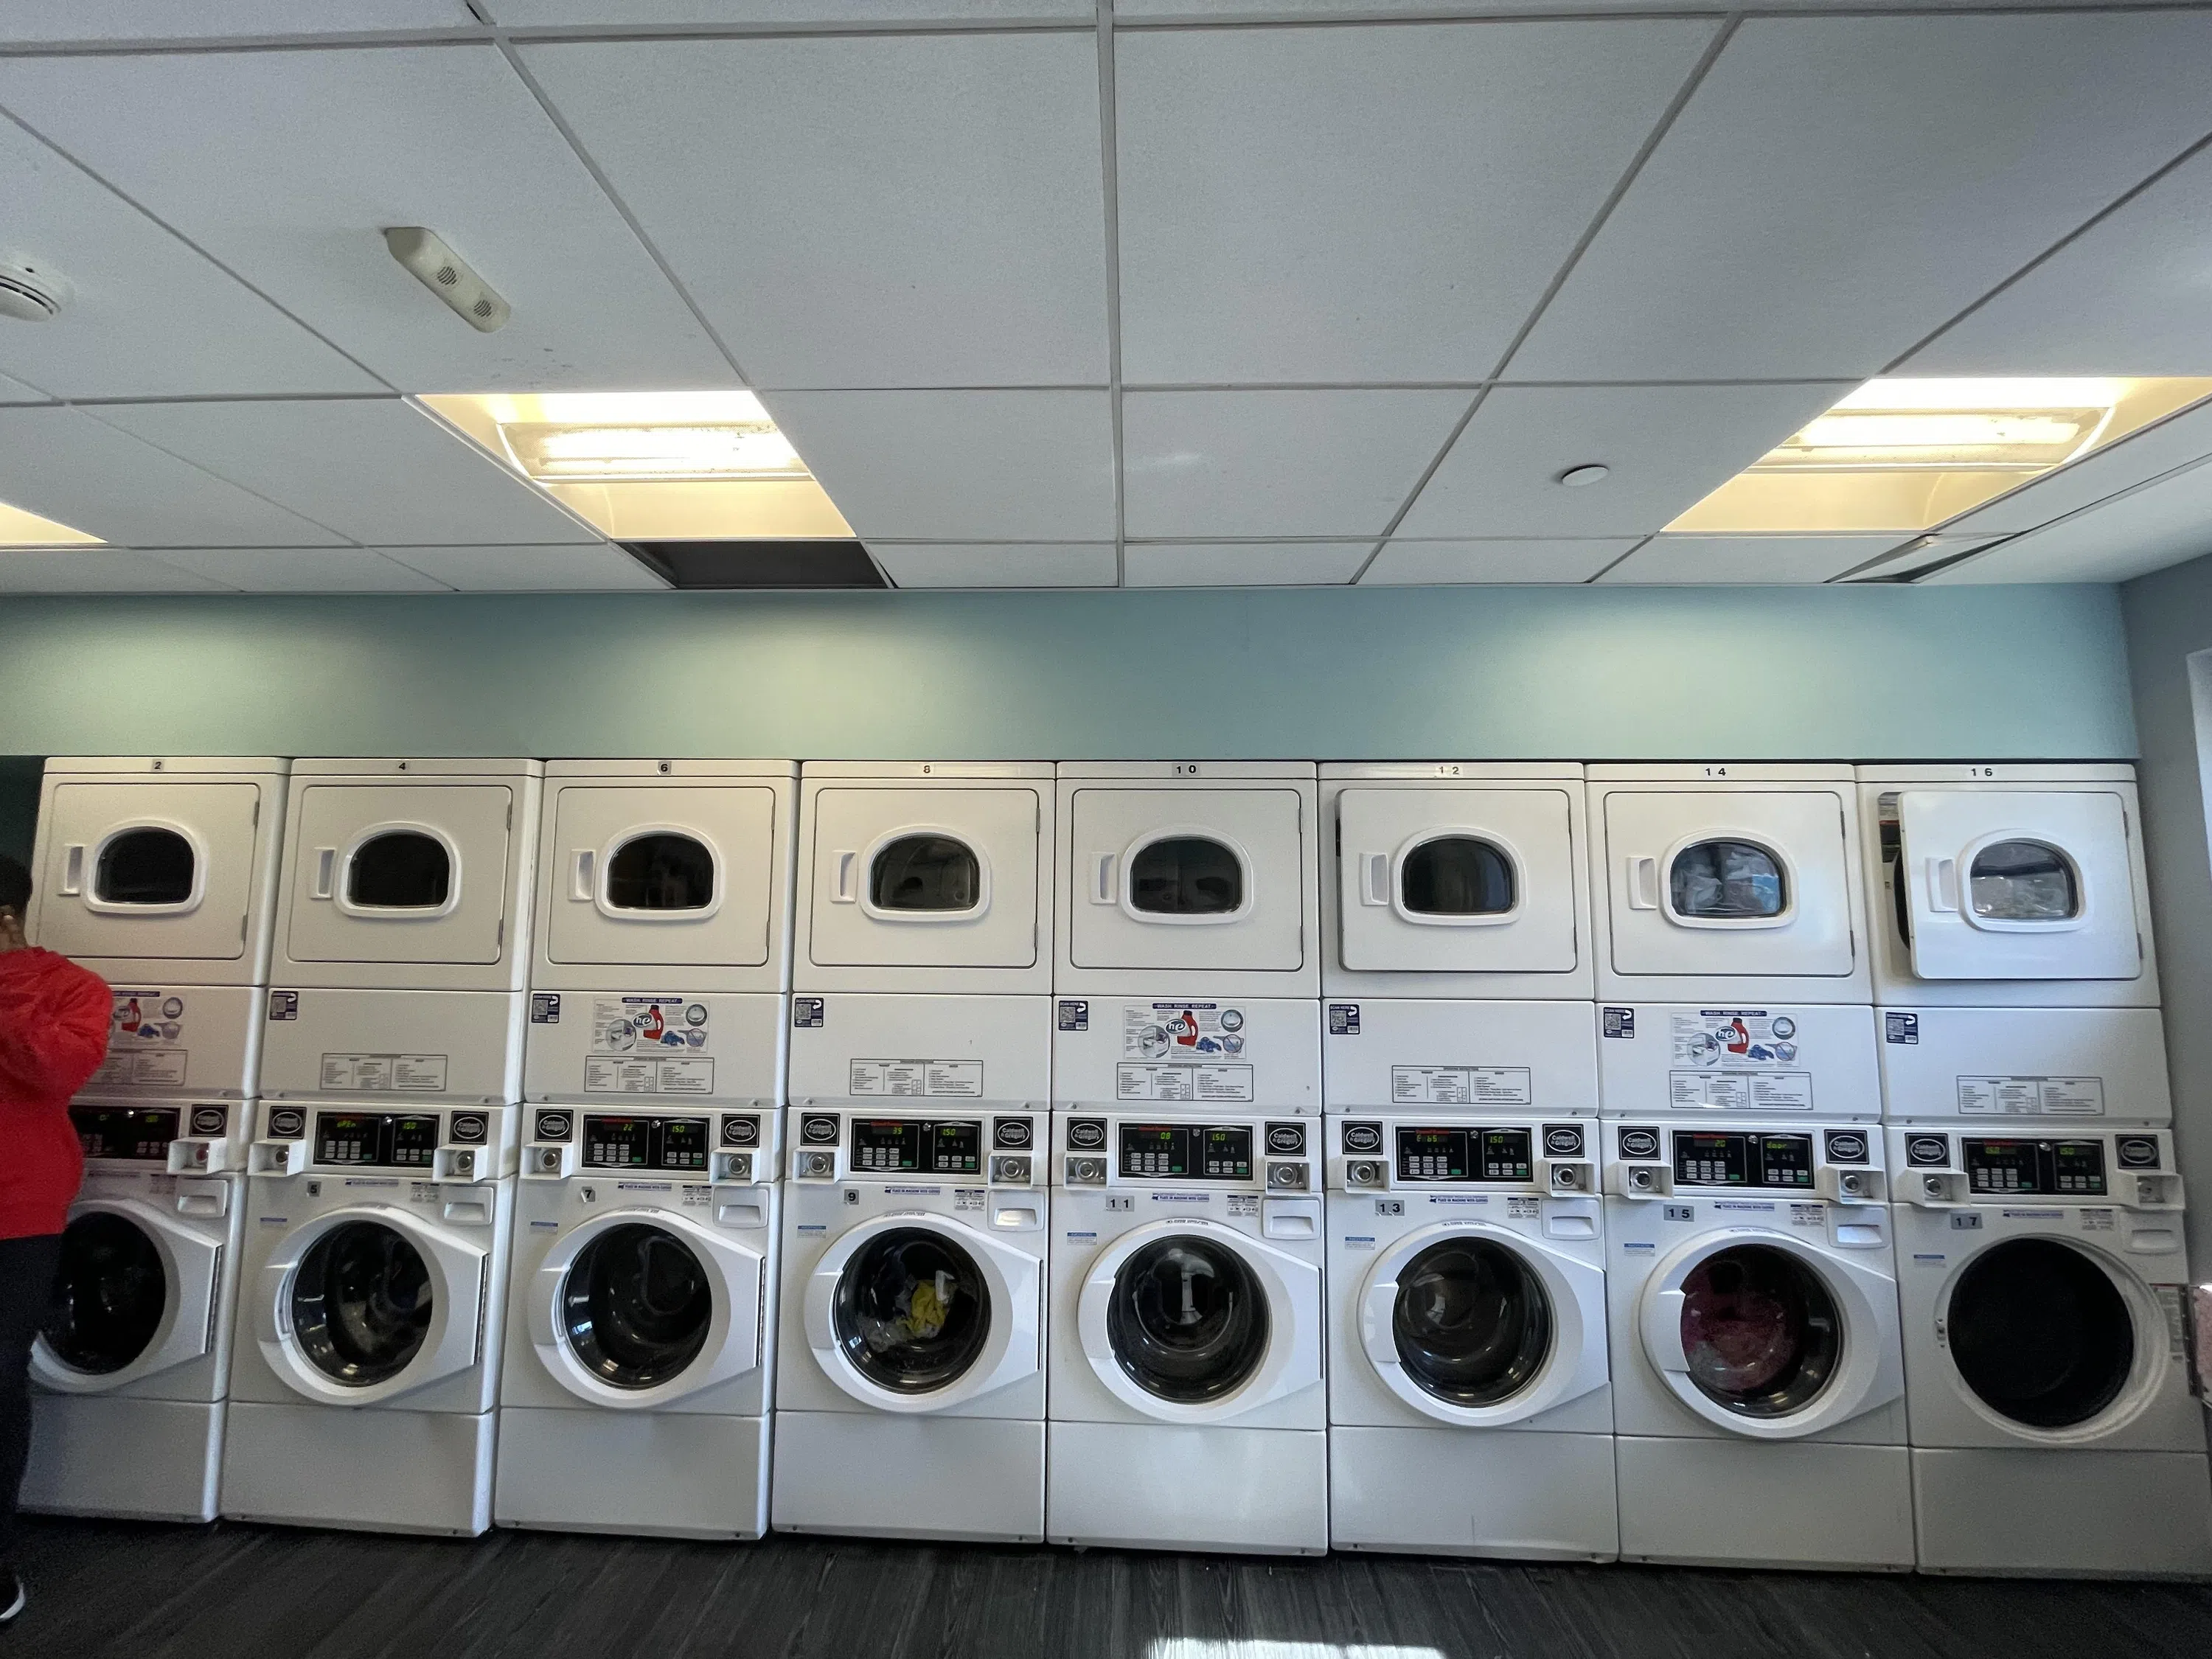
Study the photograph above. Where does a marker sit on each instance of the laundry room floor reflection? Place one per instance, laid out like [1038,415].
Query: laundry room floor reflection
[163,1593]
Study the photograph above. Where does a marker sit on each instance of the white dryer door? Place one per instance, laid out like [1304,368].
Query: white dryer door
[1193,1321]
[137,1296]
[1457,880]
[395,872]
[1189,878]
[1729,882]
[639,1307]
[361,1305]
[674,876]
[151,871]
[1769,1337]
[1474,1324]
[2004,885]
[915,1312]
[924,878]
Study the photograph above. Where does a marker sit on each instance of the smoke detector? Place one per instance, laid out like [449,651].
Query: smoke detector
[435,264]
[29,293]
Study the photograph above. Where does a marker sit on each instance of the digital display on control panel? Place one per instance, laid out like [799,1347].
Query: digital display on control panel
[1464,1155]
[1178,1152]
[384,1139]
[1743,1160]
[631,1142]
[125,1132]
[905,1146]
[2054,1169]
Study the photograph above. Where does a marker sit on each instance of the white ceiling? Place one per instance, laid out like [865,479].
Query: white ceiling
[1051,304]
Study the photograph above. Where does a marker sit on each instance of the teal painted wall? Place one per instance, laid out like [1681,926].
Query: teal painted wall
[1558,673]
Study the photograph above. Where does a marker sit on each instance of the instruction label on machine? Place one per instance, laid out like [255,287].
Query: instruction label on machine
[2032,1096]
[1190,1032]
[1462,1085]
[1182,1082]
[1736,1059]
[384,1073]
[648,1075]
[143,1032]
[1741,1091]
[929,1079]
[648,1045]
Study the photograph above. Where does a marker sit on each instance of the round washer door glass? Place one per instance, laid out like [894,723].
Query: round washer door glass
[1189,1319]
[109,1298]
[1762,1332]
[1472,1324]
[2041,1333]
[911,1313]
[360,1303]
[635,1306]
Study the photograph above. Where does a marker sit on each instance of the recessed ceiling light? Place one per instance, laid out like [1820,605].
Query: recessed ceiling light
[1906,453]
[1575,477]
[21,529]
[651,466]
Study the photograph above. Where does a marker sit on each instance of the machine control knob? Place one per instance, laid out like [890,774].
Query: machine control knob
[1851,1184]
[1009,1169]
[1567,1178]
[820,1166]
[1932,1185]
[1287,1178]
[549,1160]
[1641,1181]
[1363,1172]
[465,1163]
[1086,1171]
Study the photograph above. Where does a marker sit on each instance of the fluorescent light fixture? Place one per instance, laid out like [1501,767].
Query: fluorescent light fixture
[655,465]
[1904,453]
[21,529]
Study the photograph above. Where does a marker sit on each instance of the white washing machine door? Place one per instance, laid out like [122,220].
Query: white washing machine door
[1770,1338]
[1193,1321]
[150,870]
[1473,1324]
[915,1312]
[639,1307]
[365,1303]
[137,1296]
[2051,1339]
[2006,885]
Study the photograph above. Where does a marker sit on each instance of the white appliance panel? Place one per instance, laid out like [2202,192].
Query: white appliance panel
[1191,879]
[1481,1056]
[860,1048]
[602,1046]
[2037,1068]
[386,873]
[626,861]
[942,876]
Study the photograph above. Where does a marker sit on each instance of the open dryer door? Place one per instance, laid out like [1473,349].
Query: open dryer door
[2018,885]
[137,1295]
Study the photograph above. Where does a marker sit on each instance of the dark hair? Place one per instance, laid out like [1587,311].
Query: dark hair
[15,885]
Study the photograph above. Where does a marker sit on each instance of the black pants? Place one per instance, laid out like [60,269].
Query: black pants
[27,1269]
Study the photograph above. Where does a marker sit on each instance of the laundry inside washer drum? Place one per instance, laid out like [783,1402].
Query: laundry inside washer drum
[1187,1320]
[635,1306]
[911,1312]
[1472,1325]
[1762,1334]
[362,1302]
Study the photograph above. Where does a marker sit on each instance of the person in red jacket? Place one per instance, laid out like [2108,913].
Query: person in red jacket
[54,1019]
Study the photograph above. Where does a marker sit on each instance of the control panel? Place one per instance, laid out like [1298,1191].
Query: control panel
[1654,1160]
[1945,1168]
[444,1143]
[1274,1155]
[733,1147]
[874,1144]
[1377,1154]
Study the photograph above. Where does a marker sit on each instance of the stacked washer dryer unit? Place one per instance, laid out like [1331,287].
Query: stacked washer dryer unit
[910,1383]
[366,1367]
[635,1393]
[1188,1400]
[2038,1210]
[1757,1378]
[1469,1405]
[159,874]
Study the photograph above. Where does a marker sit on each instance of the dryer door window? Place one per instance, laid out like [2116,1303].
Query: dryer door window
[360,1303]
[400,870]
[123,876]
[149,865]
[400,873]
[1457,876]
[661,874]
[635,1306]
[673,875]
[926,874]
[1186,876]
[1762,1332]
[111,1293]
[912,1312]
[2041,1333]
[944,878]
[1189,1319]
[2024,881]
[1727,881]
[1473,1325]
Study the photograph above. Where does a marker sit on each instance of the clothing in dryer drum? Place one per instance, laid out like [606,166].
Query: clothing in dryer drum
[1761,1331]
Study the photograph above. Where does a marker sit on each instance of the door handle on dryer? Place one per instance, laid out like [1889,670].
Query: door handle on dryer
[73,870]
[1942,883]
[1101,879]
[579,883]
[841,886]
[326,870]
[1375,878]
[1643,884]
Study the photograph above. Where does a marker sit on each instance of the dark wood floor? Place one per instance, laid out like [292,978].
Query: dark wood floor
[170,1592]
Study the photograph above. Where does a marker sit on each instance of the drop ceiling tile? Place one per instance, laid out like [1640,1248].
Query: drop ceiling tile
[1084,564]
[146,316]
[1301,204]
[1666,447]
[2128,297]
[1421,564]
[95,570]
[1248,564]
[523,14]
[885,210]
[64,464]
[375,471]
[2177,441]
[288,165]
[1277,463]
[959,465]
[548,570]
[1761,559]
[2159,524]
[1839,187]
[14,392]
[164,19]
[301,570]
